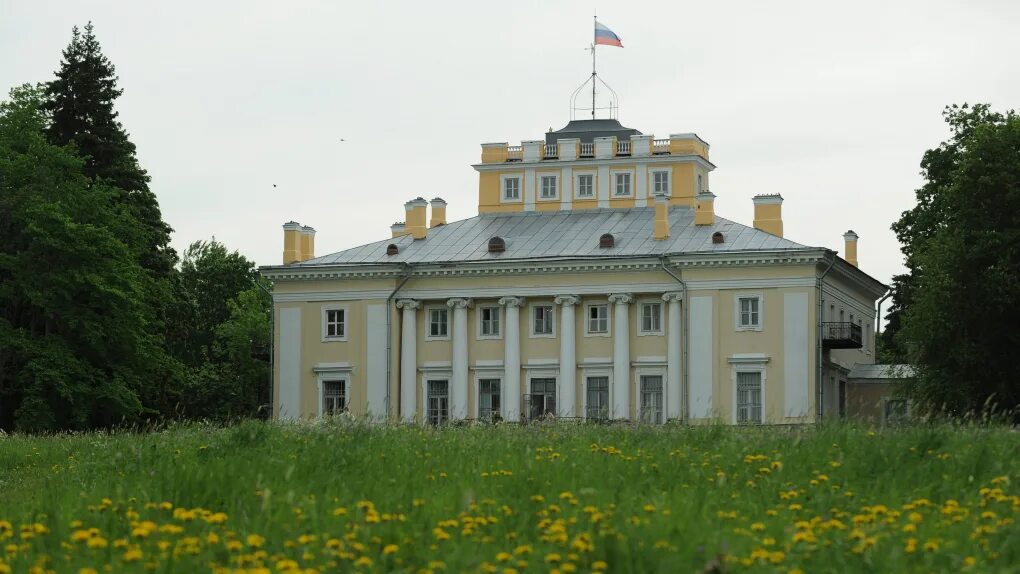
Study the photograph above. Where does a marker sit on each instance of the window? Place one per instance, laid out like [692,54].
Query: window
[334,324]
[542,400]
[895,411]
[488,321]
[488,399]
[548,187]
[334,399]
[749,398]
[701,186]
[597,399]
[437,407]
[598,319]
[623,184]
[586,185]
[512,189]
[651,318]
[439,323]
[543,320]
[651,399]
[749,313]
[660,182]
[842,316]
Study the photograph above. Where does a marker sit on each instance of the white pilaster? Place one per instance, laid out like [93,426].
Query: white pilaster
[512,359]
[673,367]
[289,376]
[459,384]
[408,359]
[621,354]
[568,356]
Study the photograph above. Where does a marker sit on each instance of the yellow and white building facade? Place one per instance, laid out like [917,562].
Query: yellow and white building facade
[595,283]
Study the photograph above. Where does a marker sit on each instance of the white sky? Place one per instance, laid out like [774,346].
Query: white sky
[829,104]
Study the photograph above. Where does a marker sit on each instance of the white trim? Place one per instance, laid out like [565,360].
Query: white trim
[288,376]
[531,320]
[760,296]
[590,362]
[430,366]
[651,180]
[748,363]
[345,383]
[602,187]
[577,185]
[539,198]
[796,344]
[346,323]
[621,160]
[597,371]
[428,321]
[612,184]
[528,189]
[639,317]
[700,398]
[499,321]
[376,399]
[587,318]
[342,367]
[550,365]
[519,176]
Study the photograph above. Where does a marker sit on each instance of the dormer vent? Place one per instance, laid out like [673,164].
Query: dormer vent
[497,245]
[717,237]
[607,240]
[392,249]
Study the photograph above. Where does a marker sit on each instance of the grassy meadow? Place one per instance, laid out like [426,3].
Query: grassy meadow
[326,497]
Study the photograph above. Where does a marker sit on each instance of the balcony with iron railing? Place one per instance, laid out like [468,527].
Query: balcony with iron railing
[841,335]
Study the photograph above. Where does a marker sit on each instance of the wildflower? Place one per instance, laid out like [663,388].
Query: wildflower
[97,542]
[523,549]
[503,557]
[757,527]
[87,571]
[390,549]
[931,545]
[363,561]
[599,565]
[255,541]
[552,557]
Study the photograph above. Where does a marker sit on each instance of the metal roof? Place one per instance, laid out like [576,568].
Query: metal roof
[588,130]
[561,234]
[881,372]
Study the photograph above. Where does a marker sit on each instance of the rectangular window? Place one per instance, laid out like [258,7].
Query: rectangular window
[749,312]
[542,400]
[660,182]
[335,323]
[701,185]
[651,317]
[548,187]
[651,399]
[489,321]
[598,319]
[488,399]
[543,323]
[333,400]
[512,188]
[597,398]
[586,185]
[438,402]
[749,398]
[896,411]
[439,325]
[623,184]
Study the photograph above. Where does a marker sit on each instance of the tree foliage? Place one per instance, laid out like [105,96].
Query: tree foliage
[961,302]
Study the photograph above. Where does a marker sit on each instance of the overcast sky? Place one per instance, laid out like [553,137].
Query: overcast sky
[829,104]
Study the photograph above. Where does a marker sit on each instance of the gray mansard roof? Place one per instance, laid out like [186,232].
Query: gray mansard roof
[561,234]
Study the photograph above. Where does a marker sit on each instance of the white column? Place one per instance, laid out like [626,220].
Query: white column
[673,367]
[621,355]
[408,359]
[512,359]
[567,398]
[459,384]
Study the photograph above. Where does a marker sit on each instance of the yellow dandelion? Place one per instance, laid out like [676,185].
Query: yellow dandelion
[390,549]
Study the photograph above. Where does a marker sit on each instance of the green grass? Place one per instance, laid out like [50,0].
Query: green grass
[572,498]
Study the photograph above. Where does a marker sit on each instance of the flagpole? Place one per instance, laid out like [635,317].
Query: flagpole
[593,72]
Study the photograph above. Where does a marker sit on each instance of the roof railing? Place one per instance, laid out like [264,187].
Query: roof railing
[660,147]
[551,151]
[515,153]
[622,148]
[587,150]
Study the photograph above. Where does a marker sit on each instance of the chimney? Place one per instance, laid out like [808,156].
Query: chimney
[416,217]
[397,229]
[704,209]
[850,242]
[661,228]
[768,213]
[307,243]
[438,212]
[291,242]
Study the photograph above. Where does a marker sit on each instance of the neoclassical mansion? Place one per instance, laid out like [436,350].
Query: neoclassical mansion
[596,282]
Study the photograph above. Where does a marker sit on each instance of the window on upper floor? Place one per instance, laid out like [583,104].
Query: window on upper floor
[439,326]
[651,318]
[701,183]
[622,184]
[585,185]
[749,312]
[598,319]
[512,189]
[488,321]
[548,187]
[542,323]
[660,182]
[334,324]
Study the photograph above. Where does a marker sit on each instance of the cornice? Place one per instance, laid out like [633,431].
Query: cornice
[590,162]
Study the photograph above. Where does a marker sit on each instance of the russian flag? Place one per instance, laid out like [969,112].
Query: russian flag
[606,36]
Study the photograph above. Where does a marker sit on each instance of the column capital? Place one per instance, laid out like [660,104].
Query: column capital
[567,300]
[673,296]
[511,301]
[459,303]
[409,304]
[621,298]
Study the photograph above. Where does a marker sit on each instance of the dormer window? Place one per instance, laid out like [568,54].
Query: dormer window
[497,245]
